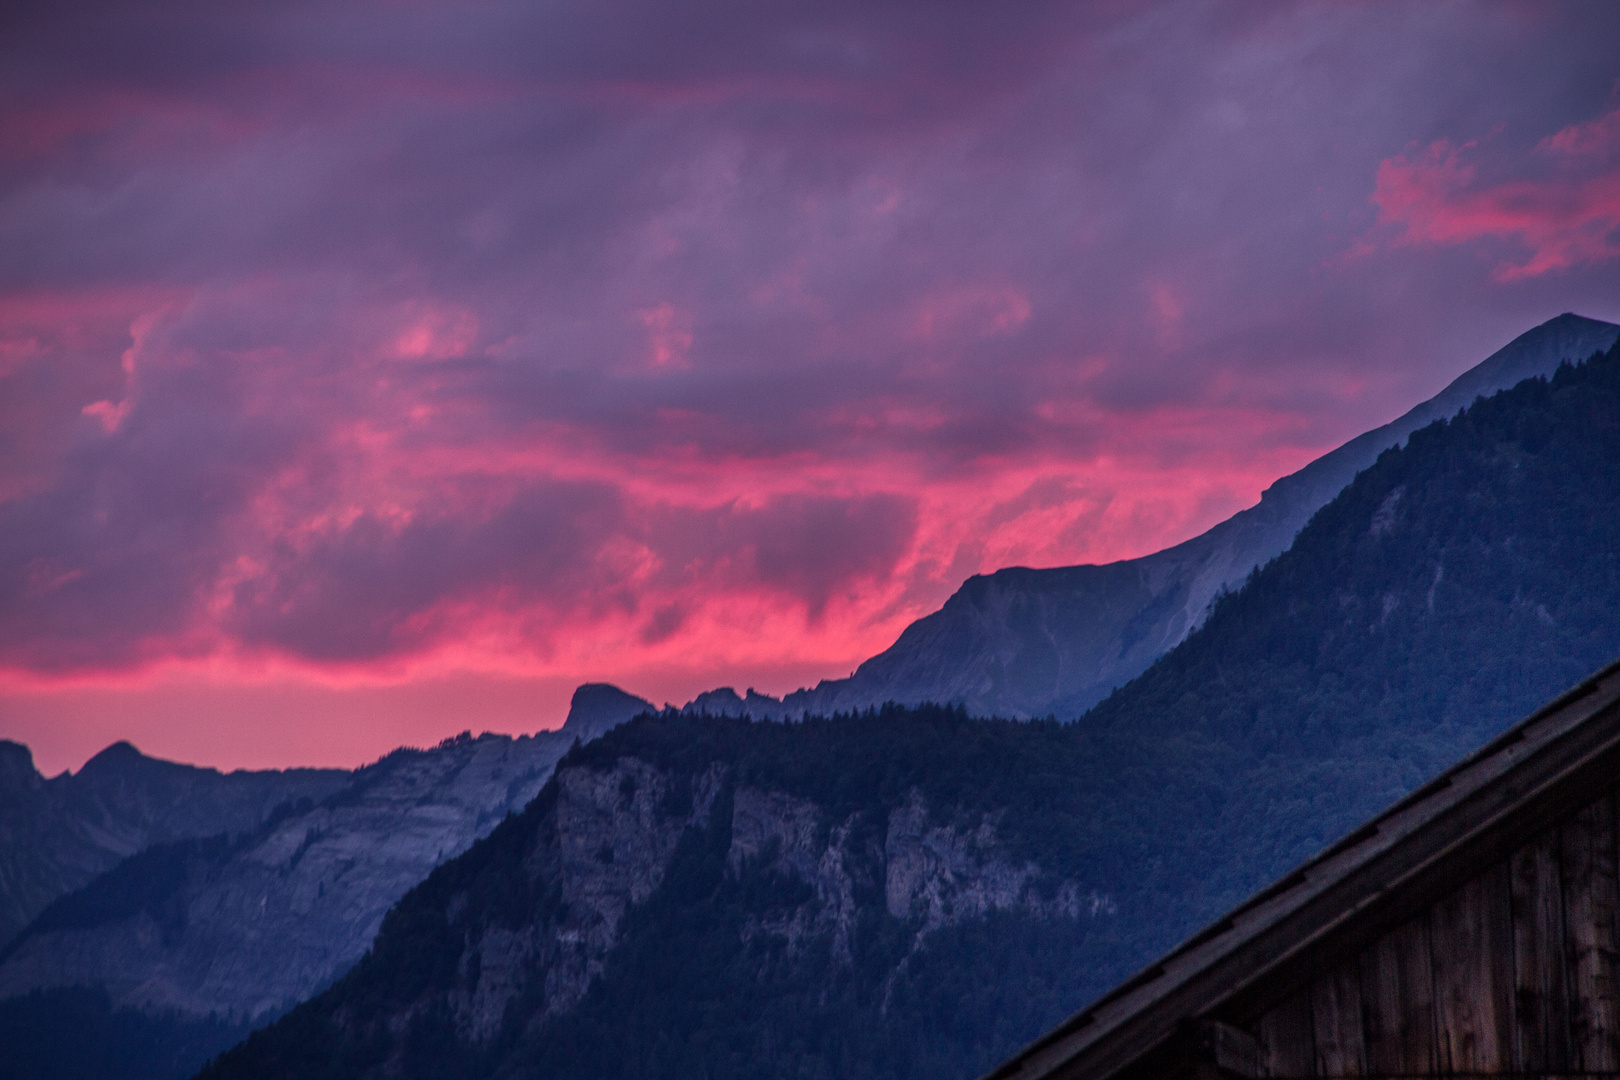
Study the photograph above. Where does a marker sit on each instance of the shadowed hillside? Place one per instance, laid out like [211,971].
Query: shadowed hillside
[58,834]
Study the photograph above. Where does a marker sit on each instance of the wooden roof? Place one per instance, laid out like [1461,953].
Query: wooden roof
[1542,769]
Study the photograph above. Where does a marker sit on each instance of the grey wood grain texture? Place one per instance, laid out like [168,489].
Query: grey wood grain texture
[1397,1001]
[1541,989]
[1588,852]
[1473,976]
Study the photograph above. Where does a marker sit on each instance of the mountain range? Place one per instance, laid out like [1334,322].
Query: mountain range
[1023,642]
[912,892]
[246,892]
[918,890]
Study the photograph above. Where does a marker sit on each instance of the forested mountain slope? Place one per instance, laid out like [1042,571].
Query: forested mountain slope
[913,893]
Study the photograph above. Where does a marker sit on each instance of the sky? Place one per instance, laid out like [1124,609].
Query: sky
[371,371]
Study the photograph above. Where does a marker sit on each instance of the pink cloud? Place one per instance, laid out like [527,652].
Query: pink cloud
[428,333]
[1593,138]
[971,311]
[669,333]
[1567,216]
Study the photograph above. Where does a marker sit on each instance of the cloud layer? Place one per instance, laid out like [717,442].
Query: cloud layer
[683,344]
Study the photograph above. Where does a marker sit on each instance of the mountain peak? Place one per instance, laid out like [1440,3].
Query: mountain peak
[1538,351]
[596,707]
[16,766]
[119,757]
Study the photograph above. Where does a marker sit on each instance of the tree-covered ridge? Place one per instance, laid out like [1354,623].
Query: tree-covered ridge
[1458,583]
[1453,587]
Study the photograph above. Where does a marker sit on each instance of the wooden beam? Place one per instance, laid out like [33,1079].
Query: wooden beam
[1336,1023]
[1226,1051]
[1287,1039]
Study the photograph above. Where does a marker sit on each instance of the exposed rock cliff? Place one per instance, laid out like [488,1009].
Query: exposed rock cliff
[609,837]
[604,847]
[695,856]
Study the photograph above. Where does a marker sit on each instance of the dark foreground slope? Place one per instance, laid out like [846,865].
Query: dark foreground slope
[914,893]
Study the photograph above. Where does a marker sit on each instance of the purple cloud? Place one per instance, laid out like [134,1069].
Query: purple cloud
[606,339]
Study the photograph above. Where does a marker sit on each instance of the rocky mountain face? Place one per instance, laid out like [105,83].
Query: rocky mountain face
[612,834]
[912,893]
[710,861]
[242,925]
[58,834]
[1023,643]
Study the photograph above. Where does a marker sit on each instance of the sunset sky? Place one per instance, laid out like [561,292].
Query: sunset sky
[374,370]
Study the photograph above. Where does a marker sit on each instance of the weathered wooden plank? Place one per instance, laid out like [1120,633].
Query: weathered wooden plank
[1287,1041]
[1470,940]
[1397,1002]
[1336,1022]
[1541,989]
[1587,849]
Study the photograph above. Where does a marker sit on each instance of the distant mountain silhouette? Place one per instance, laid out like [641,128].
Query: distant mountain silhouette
[58,834]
